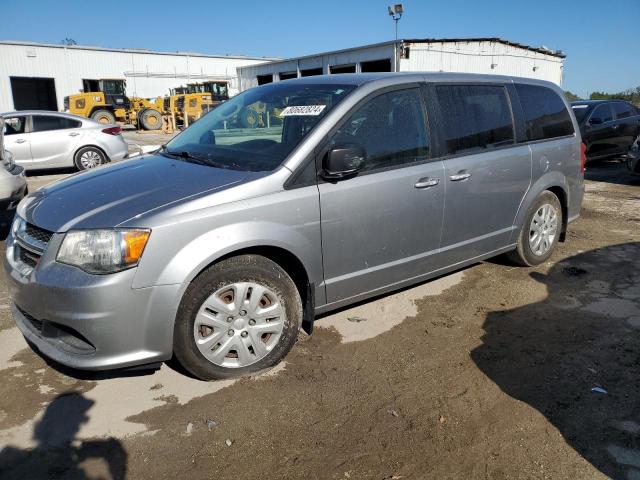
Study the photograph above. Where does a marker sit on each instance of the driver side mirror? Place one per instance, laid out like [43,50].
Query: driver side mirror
[343,162]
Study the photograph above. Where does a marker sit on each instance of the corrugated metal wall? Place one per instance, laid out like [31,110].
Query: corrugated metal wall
[483,57]
[147,74]
[465,56]
[248,75]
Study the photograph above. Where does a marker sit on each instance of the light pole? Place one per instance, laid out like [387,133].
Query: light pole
[395,12]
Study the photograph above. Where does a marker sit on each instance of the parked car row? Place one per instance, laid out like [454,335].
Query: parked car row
[39,139]
[220,246]
[609,128]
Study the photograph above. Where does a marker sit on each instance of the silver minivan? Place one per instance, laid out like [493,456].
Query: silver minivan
[221,246]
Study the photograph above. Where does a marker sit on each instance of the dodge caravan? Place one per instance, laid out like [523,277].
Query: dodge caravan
[218,248]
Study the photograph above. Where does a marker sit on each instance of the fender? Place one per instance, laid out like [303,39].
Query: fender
[193,257]
[547,181]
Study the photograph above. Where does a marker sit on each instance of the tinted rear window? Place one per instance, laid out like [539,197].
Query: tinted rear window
[580,111]
[623,110]
[475,117]
[43,123]
[545,114]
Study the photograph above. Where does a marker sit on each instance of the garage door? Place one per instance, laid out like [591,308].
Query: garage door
[33,93]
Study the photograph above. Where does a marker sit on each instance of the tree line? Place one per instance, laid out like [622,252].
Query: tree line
[630,95]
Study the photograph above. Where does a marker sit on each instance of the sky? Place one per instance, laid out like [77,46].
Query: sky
[601,39]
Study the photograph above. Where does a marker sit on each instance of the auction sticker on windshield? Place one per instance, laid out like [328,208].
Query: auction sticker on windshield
[302,110]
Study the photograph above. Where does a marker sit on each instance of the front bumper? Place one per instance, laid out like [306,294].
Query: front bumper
[13,187]
[91,322]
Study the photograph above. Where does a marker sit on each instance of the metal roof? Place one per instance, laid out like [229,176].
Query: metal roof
[131,50]
[543,50]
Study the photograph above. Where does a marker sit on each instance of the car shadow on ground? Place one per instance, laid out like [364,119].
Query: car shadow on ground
[553,353]
[58,454]
[610,171]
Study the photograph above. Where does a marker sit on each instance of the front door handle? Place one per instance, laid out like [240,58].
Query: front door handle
[74,134]
[459,177]
[427,182]
[20,140]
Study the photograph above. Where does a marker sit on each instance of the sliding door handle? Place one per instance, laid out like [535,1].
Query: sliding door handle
[427,182]
[459,177]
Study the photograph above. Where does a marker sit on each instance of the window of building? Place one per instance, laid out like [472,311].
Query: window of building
[334,69]
[383,65]
[288,75]
[310,72]
[264,79]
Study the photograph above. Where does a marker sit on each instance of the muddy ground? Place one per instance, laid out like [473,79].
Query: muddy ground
[485,373]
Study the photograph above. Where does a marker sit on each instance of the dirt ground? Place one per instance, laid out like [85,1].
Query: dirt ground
[485,373]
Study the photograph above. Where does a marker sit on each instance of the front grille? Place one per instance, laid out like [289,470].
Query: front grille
[31,242]
[27,257]
[38,234]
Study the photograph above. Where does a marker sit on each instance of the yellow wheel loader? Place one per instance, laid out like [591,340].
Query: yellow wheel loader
[105,101]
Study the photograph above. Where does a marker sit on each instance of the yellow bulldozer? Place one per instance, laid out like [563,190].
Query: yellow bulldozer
[106,101]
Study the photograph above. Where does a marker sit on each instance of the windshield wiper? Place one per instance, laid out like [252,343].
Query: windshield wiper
[197,159]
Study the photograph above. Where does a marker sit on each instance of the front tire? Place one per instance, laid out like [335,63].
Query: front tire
[104,117]
[89,157]
[238,317]
[540,232]
[150,119]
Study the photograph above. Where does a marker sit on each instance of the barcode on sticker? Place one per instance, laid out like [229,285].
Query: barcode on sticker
[303,110]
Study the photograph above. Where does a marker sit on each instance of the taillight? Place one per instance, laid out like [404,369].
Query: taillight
[112,131]
[583,156]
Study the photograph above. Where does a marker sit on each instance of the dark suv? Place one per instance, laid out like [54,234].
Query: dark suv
[608,127]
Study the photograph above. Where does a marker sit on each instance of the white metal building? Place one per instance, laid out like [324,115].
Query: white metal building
[34,75]
[471,55]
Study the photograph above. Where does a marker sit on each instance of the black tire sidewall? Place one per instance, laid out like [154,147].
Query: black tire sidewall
[78,163]
[244,268]
[150,112]
[111,116]
[524,249]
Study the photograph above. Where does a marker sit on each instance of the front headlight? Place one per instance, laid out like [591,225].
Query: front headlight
[103,251]
[9,161]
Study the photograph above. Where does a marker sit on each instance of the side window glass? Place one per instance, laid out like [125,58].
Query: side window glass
[545,114]
[391,129]
[601,114]
[474,117]
[14,125]
[43,123]
[622,110]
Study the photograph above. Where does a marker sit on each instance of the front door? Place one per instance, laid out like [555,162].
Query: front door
[600,132]
[383,226]
[486,174]
[16,139]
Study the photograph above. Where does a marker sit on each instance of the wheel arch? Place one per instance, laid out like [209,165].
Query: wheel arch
[288,261]
[95,108]
[97,147]
[557,184]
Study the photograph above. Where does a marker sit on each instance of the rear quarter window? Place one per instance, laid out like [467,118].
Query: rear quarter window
[545,114]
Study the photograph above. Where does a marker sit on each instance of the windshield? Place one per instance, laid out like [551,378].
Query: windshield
[114,87]
[580,111]
[258,129]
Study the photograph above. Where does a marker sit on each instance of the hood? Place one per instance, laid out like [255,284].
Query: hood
[108,196]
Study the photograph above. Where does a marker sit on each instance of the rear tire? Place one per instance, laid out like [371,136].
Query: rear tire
[238,317]
[89,157]
[150,119]
[540,232]
[103,116]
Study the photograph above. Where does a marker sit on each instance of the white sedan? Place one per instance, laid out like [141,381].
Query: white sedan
[43,139]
